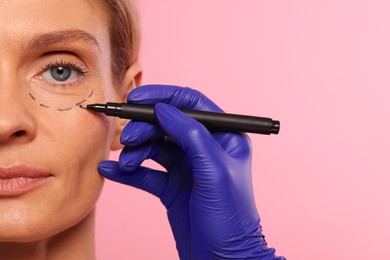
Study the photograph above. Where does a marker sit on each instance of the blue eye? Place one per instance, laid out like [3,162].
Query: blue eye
[60,74]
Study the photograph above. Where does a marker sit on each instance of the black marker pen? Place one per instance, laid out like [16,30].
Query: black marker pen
[214,121]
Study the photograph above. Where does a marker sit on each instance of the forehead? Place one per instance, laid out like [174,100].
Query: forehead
[22,19]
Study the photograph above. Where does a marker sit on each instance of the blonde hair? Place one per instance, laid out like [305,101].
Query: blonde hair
[124,35]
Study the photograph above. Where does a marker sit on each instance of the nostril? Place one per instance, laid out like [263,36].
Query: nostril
[19,133]
[16,127]
[20,136]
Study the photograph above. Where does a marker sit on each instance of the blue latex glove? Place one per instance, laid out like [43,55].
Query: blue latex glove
[207,189]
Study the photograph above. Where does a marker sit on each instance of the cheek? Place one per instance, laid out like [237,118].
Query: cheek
[70,146]
[79,145]
[81,129]
[78,134]
[82,138]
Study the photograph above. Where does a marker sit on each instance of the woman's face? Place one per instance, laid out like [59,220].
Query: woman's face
[53,55]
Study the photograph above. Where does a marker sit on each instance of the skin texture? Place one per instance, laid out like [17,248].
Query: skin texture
[55,220]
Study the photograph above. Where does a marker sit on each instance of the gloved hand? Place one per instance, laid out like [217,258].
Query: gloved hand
[207,189]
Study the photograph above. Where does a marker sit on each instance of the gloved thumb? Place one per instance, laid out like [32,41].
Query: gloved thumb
[152,181]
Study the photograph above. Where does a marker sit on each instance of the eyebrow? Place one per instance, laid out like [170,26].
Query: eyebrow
[45,40]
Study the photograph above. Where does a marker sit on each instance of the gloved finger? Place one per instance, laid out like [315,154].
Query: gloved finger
[132,157]
[195,140]
[136,133]
[176,96]
[237,145]
[143,178]
[234,144]
[165,153]
[169,155]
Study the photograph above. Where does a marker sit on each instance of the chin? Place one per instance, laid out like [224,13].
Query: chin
[25,234]
[24,228]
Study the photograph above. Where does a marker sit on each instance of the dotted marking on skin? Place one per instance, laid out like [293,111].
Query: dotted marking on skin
[66,108]
[84,100]
[33,98]
[81,102]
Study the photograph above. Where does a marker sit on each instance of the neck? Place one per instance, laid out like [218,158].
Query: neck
[76,242]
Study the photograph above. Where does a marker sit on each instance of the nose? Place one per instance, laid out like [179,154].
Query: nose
[16,123]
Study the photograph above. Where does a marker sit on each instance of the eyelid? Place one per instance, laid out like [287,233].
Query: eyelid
[68,64]
[81,70]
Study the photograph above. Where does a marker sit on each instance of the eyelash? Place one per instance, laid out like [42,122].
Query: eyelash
[79,69]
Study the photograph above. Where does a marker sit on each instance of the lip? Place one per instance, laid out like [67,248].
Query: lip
[18,180]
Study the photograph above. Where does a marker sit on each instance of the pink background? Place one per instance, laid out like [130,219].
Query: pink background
[322,69]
